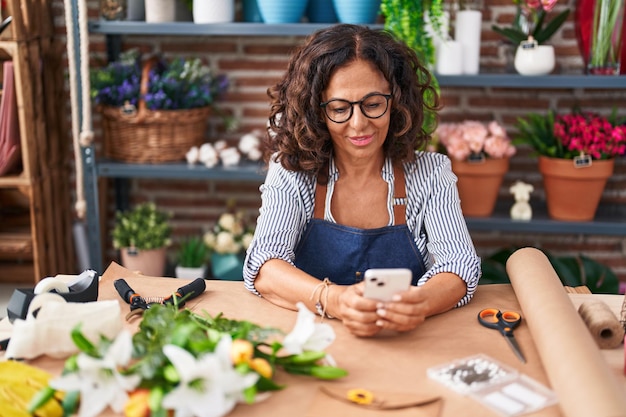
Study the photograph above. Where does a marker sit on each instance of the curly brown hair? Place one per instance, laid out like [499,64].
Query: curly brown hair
[297,133]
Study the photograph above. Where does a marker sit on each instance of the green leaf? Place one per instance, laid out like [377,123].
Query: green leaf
[599,278]
[514,35]
[554,25]
[40,399]
[304,358]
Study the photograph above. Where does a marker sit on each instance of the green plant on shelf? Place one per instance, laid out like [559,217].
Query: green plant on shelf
[193,253]
[144,227]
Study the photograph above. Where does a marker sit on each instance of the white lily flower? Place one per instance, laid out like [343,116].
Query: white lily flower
[307,335]
[99,381]
[233,382]
[207,385]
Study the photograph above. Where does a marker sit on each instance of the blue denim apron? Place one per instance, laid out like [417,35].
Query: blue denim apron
[344,253]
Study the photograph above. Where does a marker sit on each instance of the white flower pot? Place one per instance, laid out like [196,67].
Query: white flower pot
[213,11]
[184,272]
[537,60]
[158,11]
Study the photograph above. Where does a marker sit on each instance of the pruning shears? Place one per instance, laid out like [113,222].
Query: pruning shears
[139,304]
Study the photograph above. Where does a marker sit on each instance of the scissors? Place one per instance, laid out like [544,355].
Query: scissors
[505,322]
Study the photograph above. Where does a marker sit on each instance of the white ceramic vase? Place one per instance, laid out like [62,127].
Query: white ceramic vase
[213,11]
[160,11]
[536,60]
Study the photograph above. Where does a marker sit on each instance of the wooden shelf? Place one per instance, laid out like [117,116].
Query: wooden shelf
[16,245]
[604,224]
[12,181]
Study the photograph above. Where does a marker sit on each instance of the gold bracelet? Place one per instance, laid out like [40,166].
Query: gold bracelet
[323,292]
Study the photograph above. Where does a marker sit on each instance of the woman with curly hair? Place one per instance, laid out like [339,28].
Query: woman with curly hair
[349,187]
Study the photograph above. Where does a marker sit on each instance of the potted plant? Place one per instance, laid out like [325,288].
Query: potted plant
[154,110]
[480,155]
[576,154]
[529,34]
[228,241]
[142,235]
[191,259]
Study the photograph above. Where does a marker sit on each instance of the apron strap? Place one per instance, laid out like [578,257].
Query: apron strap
[399,194]
[320,198]
[399,198]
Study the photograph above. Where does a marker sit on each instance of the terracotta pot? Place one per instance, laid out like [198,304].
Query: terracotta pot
[573,193]
[479,184]
[147,262]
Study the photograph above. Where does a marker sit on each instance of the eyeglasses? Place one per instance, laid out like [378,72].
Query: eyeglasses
[373,106]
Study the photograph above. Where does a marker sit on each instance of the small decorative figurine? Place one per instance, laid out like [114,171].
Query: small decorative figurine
[521,210]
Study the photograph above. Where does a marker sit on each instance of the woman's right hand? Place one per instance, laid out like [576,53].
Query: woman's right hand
[357,313]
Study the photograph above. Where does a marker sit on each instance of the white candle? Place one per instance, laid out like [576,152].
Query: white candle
[449,58]
[467,32]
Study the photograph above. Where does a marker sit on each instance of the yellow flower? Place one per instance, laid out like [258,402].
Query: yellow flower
[241,351]
[137,404]
[262,367]
[360,396]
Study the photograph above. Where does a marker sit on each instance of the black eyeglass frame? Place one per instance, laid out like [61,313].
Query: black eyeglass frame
[360,103]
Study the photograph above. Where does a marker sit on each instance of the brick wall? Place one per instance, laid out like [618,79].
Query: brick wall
[254,63]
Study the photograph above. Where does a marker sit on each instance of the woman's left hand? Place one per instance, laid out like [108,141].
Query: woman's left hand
[405,312]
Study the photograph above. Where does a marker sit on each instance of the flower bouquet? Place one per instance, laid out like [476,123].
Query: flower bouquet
[480,158]
[154,111]
[192,364]
[228,240]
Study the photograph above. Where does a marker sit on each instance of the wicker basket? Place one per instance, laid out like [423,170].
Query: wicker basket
[151,136]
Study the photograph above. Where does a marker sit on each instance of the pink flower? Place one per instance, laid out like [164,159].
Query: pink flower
[590,134]
[470,137]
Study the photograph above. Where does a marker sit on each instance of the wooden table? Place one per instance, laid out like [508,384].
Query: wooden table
[392,364]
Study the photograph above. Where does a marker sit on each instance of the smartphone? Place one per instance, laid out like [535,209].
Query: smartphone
[381,284]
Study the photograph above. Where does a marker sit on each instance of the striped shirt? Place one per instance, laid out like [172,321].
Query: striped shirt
[433,215]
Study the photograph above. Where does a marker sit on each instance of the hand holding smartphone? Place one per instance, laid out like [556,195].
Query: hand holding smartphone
[381,284]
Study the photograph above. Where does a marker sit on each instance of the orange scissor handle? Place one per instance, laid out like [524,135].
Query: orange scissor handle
[495,319]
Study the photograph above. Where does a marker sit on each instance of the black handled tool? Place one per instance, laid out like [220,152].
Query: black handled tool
[187,292]
[138,304]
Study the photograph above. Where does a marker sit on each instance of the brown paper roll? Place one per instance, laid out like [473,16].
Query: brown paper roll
[605,329]
[574,365]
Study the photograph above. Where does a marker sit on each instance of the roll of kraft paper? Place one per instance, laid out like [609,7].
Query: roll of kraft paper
[603,325]
[574,365]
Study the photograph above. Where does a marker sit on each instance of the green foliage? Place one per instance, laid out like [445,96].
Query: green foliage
[193,253]
[537,130]
[540,33]
[144,227]
[573,271]
[407,20]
